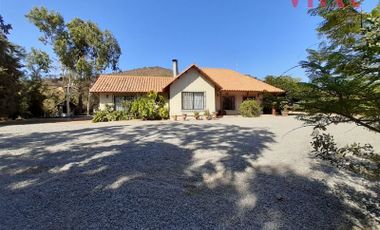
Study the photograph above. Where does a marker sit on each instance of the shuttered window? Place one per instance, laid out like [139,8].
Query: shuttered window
[193,100]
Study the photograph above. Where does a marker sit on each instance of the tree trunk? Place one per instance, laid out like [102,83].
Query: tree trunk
[68,96]
[80,97]
[88,101]
[91,82]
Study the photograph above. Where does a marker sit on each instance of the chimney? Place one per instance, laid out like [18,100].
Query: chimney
[175,67]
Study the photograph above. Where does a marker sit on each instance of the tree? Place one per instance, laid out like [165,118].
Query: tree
[81,46]
[292,86]
[344,72]
[10,73]
[37,63]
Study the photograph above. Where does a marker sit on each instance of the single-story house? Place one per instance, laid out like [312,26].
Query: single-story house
[195,89]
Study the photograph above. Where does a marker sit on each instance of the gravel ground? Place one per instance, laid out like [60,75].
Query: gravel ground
[230,173]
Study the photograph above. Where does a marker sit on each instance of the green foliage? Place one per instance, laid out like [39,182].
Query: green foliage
[293,87]
[163,113]
[339,25]
[81,46]
[110,115]
[54,96]
[196,115]
[151,106]
[355,157]
[49,107]
[37,63]
[344,73]
[11,103]
[250,108]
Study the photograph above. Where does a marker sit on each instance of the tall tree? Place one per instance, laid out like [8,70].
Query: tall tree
[37,63]
[293,88]
[81,46]
[10,73]
[344,72]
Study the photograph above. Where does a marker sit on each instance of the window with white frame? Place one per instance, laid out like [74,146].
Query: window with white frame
[193,100]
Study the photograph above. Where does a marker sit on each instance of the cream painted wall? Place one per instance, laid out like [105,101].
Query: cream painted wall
[192,81]
[104,100]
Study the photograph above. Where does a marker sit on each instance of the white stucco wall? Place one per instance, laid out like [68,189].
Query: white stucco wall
[192,81]
[105,99]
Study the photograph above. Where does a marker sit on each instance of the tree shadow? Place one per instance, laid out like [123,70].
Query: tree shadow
[157,175]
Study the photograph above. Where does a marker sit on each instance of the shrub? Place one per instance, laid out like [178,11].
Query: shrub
[148,107]
[358,158]
[163,113]
[109,115]
[250,108]
[49,107]
[102,115]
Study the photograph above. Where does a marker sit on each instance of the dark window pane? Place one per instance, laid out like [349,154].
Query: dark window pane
[229,103]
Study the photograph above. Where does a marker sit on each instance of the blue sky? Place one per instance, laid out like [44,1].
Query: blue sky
[254,37]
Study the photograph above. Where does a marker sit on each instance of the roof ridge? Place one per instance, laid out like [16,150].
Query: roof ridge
[125,75]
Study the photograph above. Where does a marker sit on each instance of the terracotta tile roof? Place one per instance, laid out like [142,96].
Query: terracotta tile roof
[224,79]
[123,83]
[230,80]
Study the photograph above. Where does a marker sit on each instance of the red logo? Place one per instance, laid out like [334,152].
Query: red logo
[323,3]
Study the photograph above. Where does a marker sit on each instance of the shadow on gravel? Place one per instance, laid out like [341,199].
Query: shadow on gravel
[168,175]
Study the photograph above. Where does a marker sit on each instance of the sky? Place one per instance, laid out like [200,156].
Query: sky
[256,37]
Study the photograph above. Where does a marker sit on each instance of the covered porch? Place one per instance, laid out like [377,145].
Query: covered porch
[228,102]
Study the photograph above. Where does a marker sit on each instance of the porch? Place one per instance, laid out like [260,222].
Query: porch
[228,102]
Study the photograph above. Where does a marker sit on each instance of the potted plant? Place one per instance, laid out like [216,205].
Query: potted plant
[197,116]
[214,115]
[207,115]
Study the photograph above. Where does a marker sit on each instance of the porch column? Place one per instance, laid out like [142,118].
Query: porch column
[273,111]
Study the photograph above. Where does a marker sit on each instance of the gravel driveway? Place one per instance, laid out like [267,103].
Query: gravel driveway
[230,173]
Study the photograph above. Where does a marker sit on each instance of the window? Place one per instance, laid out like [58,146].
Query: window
[119,102]
[193,101]
[229,103]
[249,98]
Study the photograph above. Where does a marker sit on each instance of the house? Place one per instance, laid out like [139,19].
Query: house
[195,89]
